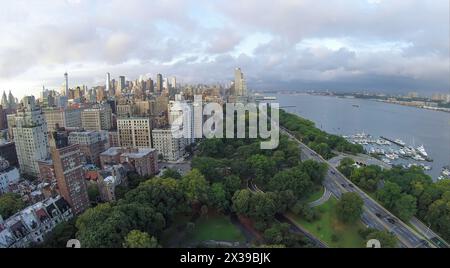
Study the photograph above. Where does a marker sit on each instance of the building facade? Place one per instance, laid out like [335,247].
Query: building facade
[171,148]
[31,136]
[97,119]
[68,167]
[143,160]
[134,132]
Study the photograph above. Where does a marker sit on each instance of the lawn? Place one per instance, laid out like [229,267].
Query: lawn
[346,235]
[216,227]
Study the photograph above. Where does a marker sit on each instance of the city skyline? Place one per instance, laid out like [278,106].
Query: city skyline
[368,45]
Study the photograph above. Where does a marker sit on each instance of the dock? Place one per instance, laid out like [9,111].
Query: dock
[394,142]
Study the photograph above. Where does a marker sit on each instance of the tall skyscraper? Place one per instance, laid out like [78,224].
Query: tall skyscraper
[173,82]
[66,84]
[159,83]
[122,85]
[240,86]
[69,174]
[30,134]
[108,83]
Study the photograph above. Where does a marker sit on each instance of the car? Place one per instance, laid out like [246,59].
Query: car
[351,185]
[378,215]
[343,185]
[332,172]
[391,220]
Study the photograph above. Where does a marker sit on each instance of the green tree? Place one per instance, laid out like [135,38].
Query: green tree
[405,207]
[165,195]
[346,166]
[138,239]
[315,170]
[195,187]
[218,197]
[387,240]
[389,194]
[350,207]
[171,173]
[93,192]
[10,203]
[294,179]
[258,206]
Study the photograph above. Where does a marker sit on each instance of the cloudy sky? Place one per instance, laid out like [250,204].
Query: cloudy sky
[382,45]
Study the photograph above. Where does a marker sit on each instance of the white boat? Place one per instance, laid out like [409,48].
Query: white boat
[446,172]
[387,161]
[418,158]
[401,152]
[392,156]
[425,167]
[422,151]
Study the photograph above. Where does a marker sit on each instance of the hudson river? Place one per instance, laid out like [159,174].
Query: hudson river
[345,116]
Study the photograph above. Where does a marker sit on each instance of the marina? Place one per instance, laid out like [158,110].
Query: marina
[392,151]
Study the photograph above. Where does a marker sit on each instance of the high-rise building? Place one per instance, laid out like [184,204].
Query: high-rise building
[159,83]
[97,119]
[108,83]
[181,114]
[69,174]
[240,86]
[150,85]
[134,132]
[173,82]
[64,118]
[30,135]
[167,145]
[66,84]
[91,144]
[121,86]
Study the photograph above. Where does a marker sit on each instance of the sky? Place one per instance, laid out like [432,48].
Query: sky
[379,45]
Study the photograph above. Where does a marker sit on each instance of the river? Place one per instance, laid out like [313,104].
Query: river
[348,116]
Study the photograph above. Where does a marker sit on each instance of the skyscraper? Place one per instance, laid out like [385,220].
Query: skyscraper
[240,86]
[69,174]
[108,83]
[122,85]
[30,134]
[173,82]
[159,83]
[66,84]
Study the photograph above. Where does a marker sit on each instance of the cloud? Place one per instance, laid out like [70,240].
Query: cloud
[292,43]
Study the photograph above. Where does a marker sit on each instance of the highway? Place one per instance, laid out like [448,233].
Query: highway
[374,215]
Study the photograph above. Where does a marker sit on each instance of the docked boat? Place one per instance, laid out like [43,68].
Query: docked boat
[418,157]
[422,151]
[425,167]
[446,172]
[387,161]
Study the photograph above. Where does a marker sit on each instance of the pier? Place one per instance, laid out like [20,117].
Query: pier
[394,142]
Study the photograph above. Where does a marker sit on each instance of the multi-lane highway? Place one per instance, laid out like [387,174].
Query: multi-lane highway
[374,215]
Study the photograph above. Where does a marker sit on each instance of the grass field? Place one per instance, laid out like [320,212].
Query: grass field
[345,235]
[216,227]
